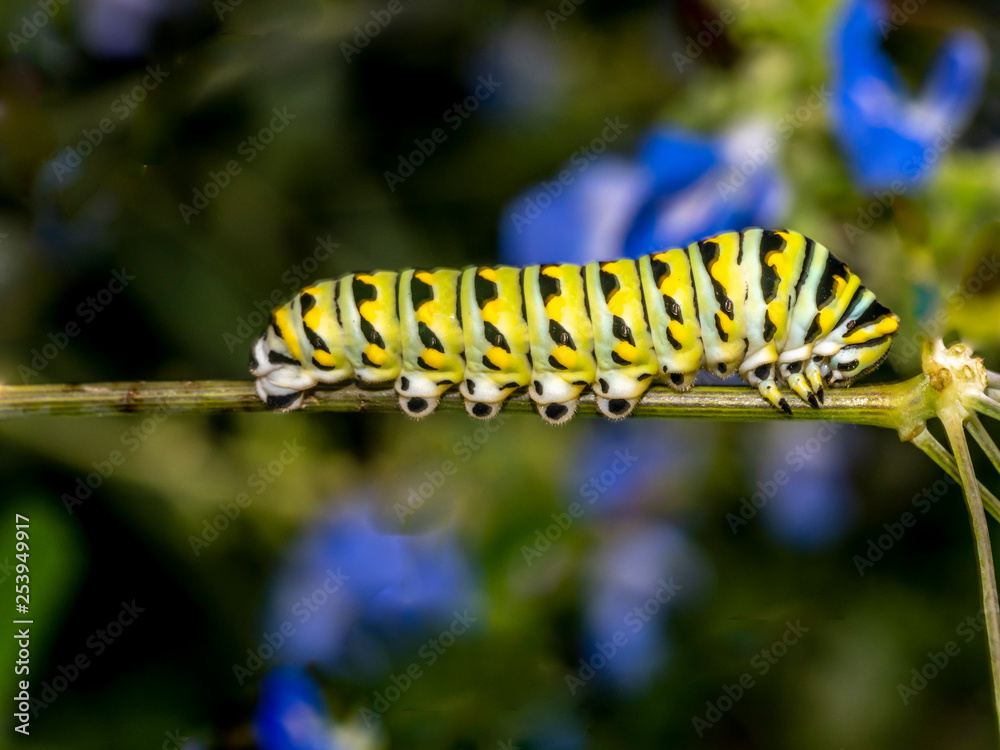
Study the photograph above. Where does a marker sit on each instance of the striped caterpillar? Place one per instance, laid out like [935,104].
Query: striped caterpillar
[773,306]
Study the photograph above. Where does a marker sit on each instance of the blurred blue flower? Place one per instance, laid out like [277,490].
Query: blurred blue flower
[359,597]
[887,135]
[809,498]
[523,61]
[124,28]
[626,467]
[681,187]
[291,713]
[636,574]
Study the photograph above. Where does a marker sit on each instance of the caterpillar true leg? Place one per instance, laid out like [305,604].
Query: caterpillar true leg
[792,373]
[762,377]
[814,374]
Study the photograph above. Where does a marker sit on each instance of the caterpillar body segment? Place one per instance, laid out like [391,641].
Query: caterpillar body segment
[497,345]
[771,305]
[562,338]
[433,341]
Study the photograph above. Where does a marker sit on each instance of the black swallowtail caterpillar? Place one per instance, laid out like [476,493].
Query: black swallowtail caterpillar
[774,306]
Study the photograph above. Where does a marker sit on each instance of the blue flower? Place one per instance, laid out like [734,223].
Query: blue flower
[637,573]
[681,187]
[806,497]
[628,467]
[358,597]
[291,713]
[887,135]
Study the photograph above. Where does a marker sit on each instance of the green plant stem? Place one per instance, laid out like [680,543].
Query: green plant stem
[987,405]
[984,554]
[976,429]
[940,455]
[877,405]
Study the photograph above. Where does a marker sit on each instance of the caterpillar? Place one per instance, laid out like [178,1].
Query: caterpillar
[771,305]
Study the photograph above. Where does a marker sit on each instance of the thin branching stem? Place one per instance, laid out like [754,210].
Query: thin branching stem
[940,455]
[987,405]
[976,429]
[987,577]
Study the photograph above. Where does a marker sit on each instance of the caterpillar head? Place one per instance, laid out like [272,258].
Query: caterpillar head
[860,341]
[855,360]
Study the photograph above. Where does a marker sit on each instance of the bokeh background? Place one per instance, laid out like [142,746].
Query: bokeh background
[171,169]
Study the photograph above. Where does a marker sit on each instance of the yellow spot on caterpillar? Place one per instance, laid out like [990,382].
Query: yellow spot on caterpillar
[727,325]
[887,326]
[567,357]
[777,311]
[427,312]
[434,358]
[313,318]
[324,358]
[724,269]
[499,357]
[626,351]
[554,309]
[884,327]
[287,333]
[827,320]
[376,355]
[616,305]
[491,311]
[425,276]
[490,274]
